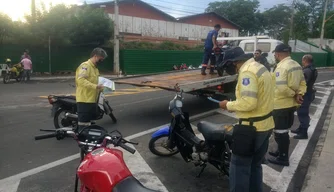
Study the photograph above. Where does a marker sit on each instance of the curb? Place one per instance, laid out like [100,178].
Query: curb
[319,146]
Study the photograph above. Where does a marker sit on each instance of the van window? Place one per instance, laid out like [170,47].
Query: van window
[265,47]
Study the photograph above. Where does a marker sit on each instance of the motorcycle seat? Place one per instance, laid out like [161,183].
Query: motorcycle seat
[69,100]
[214,132]
[131,184]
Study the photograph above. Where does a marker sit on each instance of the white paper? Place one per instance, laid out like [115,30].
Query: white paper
[109,86]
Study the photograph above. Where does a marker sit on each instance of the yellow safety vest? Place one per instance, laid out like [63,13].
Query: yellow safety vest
[254,95]
[289,81]
[86,79]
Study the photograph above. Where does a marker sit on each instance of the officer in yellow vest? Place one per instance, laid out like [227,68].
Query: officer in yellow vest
[289,91]
[253,106]
[87,88]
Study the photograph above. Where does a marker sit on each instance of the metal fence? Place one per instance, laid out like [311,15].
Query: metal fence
[62,58]
[131,61]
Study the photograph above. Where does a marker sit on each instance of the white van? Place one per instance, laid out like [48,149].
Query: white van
[266,46]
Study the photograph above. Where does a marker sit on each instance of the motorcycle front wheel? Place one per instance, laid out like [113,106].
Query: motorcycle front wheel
[6,78]
[160,148]
[112,116]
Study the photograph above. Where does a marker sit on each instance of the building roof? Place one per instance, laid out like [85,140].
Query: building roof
[136,1]
[213,13]
[165,14]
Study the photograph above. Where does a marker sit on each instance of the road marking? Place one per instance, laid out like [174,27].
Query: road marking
[284,179]
[142,171]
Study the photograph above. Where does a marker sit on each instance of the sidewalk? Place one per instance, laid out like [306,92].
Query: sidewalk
[320,175]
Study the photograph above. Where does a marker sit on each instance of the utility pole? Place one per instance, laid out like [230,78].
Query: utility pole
[116,40]
[323,26]
[33,10]
[292,17]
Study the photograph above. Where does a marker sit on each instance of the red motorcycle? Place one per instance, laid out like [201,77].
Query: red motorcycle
[102,168]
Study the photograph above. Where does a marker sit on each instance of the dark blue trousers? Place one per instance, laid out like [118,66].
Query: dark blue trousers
[246,172]
[303,112]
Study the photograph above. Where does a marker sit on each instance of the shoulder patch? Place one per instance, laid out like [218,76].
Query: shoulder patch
[84,68]
[246,81]
[277,74]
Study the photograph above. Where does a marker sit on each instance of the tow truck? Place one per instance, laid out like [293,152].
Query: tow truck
[191,81]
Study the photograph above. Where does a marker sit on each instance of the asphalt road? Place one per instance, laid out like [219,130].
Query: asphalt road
[24,110]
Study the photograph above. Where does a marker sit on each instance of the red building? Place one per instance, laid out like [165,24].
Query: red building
[142,22]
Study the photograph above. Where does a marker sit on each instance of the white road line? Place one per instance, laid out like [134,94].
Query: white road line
[317,97]
[323,92]
[324,82]
[11,186]
[142,171]
[321,87]
[283,182]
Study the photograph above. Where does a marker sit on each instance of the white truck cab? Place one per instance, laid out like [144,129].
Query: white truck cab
[266,46]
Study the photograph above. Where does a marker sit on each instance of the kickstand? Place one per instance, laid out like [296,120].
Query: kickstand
[200,173]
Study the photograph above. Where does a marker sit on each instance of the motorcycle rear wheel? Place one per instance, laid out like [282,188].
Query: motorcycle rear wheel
[64,123]
[153,149]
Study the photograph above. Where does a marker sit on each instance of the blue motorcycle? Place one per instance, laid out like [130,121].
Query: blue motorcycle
[179,137]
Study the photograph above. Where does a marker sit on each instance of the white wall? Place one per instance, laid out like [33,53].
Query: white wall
[158,28]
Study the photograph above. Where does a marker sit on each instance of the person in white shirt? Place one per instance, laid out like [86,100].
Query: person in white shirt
[27,65]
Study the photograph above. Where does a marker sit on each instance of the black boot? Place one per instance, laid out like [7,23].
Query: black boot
[277,139]
[296,131]
[203,70]
[212,70]
[274,153]
[301,135]
[283,147]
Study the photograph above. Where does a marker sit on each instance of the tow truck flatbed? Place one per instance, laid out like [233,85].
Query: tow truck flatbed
[187,80]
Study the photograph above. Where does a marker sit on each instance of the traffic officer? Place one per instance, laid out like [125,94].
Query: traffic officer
[209,46]
[87,88]
[290,88]
[310,74]
[253,107]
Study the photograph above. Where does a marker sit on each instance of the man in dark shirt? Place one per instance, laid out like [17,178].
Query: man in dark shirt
[310,74]
[209,46]
[261,59]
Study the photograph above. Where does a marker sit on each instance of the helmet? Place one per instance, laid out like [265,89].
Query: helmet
[8,60]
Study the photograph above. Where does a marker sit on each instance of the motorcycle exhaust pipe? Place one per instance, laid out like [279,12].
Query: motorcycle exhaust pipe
[71,116]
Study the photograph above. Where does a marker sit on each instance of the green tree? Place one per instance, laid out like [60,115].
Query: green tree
[241,12]
[5,27]
[277,20]
[303,21]
[90,26]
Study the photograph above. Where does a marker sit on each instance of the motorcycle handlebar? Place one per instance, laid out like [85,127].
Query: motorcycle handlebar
[127,148]
[45,136]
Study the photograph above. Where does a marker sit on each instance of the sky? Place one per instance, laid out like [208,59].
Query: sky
[16,9]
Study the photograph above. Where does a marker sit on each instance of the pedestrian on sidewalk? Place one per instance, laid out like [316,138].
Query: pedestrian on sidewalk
[310,74]
[27,67]
[290,88]
[88,89]
[253,106]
